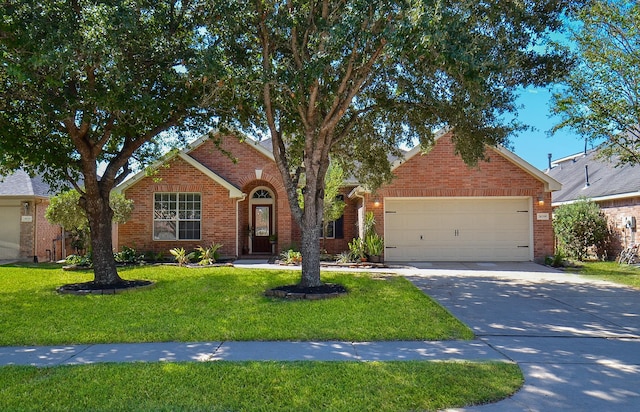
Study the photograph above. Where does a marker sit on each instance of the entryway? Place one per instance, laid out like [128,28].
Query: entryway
[261,220]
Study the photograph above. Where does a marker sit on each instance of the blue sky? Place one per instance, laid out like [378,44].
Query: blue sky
[534,145]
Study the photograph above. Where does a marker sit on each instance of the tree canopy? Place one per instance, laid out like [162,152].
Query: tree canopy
[601,97]
[86,83]
[353,80]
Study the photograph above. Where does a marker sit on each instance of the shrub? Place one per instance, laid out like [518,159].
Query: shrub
[291,257]
[207,256]
[127,255]
[181,255]
[580,226]
[79,260]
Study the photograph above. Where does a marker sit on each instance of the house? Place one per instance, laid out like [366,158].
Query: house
[616,189]
[437,208]
[25,234]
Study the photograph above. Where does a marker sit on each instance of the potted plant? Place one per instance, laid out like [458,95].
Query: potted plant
[273,239]
[375,246]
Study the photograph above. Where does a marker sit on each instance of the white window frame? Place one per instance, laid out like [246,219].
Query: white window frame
[180,210]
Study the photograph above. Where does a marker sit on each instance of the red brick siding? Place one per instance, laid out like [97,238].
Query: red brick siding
[616,212]
[218,220]
[441,173]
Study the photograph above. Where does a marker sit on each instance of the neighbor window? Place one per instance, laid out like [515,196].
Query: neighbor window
[335,228]
[176,216]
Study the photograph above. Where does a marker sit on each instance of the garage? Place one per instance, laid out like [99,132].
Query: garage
[458,229]
[9,231]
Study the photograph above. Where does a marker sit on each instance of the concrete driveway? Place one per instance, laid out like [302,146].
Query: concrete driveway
[577,341]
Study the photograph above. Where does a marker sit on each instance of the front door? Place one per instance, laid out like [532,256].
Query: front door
[262,228]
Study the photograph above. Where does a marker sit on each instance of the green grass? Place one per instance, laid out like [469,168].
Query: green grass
[611,271]
[214,304]
[257,386]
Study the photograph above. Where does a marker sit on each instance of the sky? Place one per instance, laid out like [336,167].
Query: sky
[535,145]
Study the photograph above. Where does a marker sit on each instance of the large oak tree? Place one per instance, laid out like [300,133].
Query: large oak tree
[86,83]
[601,97]
[352,80]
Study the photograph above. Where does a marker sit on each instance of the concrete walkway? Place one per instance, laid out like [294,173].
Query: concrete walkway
[577,341]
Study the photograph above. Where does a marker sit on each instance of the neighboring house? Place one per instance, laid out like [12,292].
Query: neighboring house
[25,234]
[436,208]
[616,189]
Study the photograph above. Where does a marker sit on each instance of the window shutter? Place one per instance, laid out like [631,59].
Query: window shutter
[339,229]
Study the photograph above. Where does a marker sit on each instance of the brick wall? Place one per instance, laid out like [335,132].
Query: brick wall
[218,219]
[616,212]
[441,173]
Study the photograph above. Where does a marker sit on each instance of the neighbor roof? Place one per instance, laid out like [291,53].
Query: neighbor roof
[606,180]
[21,184]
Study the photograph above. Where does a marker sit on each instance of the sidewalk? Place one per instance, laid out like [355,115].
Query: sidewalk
[248,351]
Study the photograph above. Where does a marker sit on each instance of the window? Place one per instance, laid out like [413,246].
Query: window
[330,230]
[176,216]
[335,228]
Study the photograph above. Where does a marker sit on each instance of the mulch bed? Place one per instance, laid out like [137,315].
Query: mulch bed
[93,288]
[324,291]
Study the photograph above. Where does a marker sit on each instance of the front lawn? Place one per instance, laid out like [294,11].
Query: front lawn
[214,304]
[257,386]
[623,274]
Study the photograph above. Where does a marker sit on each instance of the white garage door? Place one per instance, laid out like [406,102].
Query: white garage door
[457,229]
[9,232]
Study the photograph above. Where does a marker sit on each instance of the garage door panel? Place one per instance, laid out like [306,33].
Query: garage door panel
[9,232]
[457,229]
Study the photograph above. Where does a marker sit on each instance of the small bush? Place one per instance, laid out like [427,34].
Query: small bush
[580,227]
[207,256]
[291,257]
[127,255]
[79,260]
[181,256]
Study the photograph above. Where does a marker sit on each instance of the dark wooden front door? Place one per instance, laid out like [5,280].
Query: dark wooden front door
[261,228]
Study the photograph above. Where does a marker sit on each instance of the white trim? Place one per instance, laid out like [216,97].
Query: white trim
[550,184]
[619,196]
[244,138]
[234,192]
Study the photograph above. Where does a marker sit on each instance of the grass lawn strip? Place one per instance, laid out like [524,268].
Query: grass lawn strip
[214,304]
[611,271]
[257,386]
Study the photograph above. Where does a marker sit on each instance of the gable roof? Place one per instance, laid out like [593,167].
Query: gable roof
[234,192]
[606,180]
[262,146]
[20,184]
[550,184]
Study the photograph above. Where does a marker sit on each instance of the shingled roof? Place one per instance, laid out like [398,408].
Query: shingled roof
[21,184]
[605,179]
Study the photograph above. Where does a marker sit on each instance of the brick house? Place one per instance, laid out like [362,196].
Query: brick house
[616,189]
[25,234]
[436,208]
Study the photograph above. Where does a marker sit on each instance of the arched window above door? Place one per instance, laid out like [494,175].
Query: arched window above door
[262,194]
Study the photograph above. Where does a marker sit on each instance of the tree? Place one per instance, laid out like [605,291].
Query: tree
[352,80]
[64,210]
[86,83]
[580,226]
[601,97]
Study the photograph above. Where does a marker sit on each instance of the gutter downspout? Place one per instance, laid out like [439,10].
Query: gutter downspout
[364,211]
[241,199]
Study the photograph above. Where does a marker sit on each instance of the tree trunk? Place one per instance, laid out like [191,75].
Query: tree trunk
[312,224]
[310,249]
[100,218]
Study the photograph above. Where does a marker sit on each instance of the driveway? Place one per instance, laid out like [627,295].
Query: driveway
[577,341]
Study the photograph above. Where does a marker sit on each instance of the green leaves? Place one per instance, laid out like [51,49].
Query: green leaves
[579,227]
[601,97]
